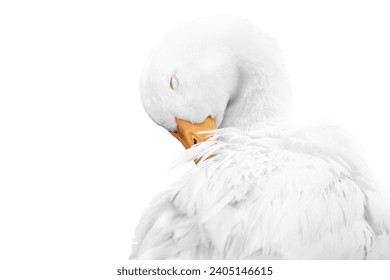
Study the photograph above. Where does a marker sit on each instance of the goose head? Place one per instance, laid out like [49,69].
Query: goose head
[214,73]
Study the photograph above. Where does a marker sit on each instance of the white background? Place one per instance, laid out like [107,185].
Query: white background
[80,159]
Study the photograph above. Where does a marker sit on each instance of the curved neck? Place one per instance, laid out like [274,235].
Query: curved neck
[262,96]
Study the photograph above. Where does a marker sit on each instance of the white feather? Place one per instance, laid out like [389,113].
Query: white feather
[281,193]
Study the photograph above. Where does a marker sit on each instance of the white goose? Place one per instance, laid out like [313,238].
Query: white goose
[269,190]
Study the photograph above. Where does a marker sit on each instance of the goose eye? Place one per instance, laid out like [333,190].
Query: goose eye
[173,83]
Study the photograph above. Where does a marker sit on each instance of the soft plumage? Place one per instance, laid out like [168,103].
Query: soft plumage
[264,188]
[274,193]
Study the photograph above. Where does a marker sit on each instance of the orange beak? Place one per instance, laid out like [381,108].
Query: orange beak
[187,131]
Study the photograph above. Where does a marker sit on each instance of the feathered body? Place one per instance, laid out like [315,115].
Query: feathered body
[274,193]
[270,190]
